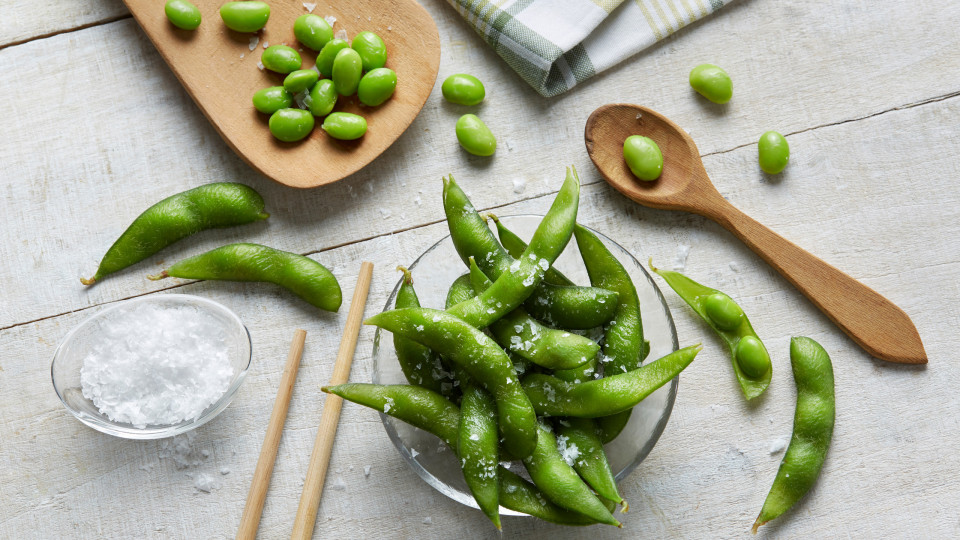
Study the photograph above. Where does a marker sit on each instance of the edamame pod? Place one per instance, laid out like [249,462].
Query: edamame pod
[217,205]
[812,429]
[301,275]
[460,291]
[477,354]
[606,396]
[515,246]
[522,335]
[478,448]
[472,238]
[560,483]
[623,335]
[434,414]
[582,441]
[730,323]
[418,363]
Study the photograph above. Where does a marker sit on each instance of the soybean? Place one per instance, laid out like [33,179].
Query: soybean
[301,275]
[812,429]
[245,16]
[751,363]
[328,54]
[290,125]
[643,157]
[300,80]
[774,152]
[344,126]
[475,137]
[313,31]
[280,58]
[323,97]
[182,14]
[478,447]
[221,204]
[712,82]
[346,71]
[463,89]
[372,50]
[377,86]
[272,99]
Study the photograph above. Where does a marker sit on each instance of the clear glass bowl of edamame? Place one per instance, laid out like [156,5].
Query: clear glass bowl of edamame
[434,271]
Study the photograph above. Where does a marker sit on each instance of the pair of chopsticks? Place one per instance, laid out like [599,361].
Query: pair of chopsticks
[320,458]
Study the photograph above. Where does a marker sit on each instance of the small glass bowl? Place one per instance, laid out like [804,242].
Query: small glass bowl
[434,271]
[68,359]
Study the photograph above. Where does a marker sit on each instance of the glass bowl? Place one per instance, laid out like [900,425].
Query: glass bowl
[67,360]
[434,271]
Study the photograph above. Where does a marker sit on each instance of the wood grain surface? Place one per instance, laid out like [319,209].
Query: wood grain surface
[96,128]
[221,70]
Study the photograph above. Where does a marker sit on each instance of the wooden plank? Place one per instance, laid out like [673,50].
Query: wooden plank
[891,461]
[25,21]
[118,133]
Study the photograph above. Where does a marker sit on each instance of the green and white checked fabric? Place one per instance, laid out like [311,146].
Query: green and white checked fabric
[555,44]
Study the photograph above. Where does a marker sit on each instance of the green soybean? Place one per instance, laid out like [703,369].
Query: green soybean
[217,205]
[182,14]
[643,157]
[417,362]
[272,99]
[372,50]
[289,125]
[323,97]
[478,447]
[300,80]
[591,461]
[346,72]
[812,429]
[280,58]
[377,86]
[731,325]
[475,137]
[712,82]
[301,275]
[313,31]
[463,89]
[328,54]
[515,246]
[774,152]
[245,16]
[345,126]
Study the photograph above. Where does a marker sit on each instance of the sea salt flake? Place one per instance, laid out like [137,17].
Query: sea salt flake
[778,446]
[254,41]
[341,34]
[309,6]
[331,20]
[680,263]
[427,521]
[366,470]
[413,453]
[519,184]
[339,485]
[205,483]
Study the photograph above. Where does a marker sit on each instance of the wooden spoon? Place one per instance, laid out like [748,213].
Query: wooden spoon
[875,323]
[219,71]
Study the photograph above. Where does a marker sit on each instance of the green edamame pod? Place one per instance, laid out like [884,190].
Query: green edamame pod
[301,275]
[582,440]
[569,307]
[431,412]
[560,483]
[623,335]
[462,344]
[418,363]
[606,396]
[217,205]
[730,323]
[522,335]
[478,447]
[515,246]
[460,291]
[579,374]
[812,429]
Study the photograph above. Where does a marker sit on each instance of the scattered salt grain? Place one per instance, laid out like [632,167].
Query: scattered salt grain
[309,7]
[157,365]
[254,41]
[242,55]
[366,470]
[260,66]
[680,263]
[224,471]
[204,482]
[330,19]
[734,266]
[519,184]
[569,452]
[778,446]
[341,34]
[414,453]
[266,44]
[339,484]
[474,437]
[385,214]
[427,521]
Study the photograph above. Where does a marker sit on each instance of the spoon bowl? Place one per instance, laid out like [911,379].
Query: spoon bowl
[872,321]
[219,69]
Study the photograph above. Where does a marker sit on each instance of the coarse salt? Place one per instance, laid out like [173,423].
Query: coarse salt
[157,366]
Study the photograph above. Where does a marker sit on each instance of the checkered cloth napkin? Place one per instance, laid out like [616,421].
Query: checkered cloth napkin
[555,44]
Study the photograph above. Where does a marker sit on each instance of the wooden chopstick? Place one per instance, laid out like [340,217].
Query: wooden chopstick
[317,471]
[268,453]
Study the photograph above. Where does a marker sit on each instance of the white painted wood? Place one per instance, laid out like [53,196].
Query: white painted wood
[23,21]
[94,133]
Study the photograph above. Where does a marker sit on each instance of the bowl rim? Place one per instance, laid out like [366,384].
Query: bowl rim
[643,452]
[129,431]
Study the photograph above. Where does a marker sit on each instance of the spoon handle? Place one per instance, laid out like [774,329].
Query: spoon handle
[872,321]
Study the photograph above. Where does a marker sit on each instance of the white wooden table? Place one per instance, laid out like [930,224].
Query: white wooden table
[95,128]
